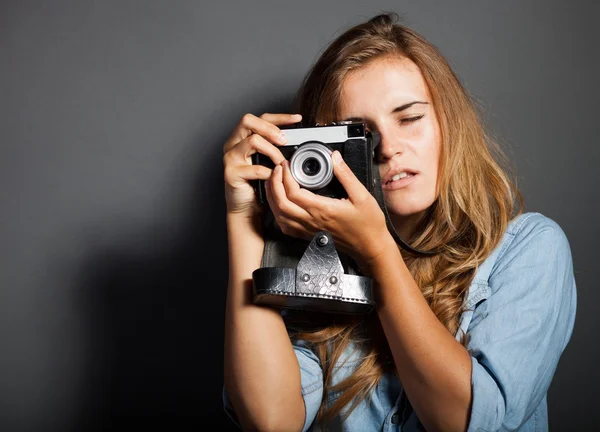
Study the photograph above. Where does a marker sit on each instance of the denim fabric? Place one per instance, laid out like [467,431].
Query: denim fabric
[520,315]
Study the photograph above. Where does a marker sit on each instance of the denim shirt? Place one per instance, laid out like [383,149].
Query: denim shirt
[519,317]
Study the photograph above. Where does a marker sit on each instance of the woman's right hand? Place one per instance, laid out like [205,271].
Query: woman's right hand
[253,134]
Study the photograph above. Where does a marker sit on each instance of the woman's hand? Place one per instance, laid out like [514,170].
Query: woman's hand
[253,134]
[356,223]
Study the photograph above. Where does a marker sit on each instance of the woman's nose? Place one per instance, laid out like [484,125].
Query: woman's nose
[389,147]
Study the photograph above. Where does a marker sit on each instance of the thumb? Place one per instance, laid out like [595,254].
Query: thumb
[354,188]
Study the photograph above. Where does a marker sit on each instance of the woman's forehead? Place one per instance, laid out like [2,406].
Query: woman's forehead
[383,82]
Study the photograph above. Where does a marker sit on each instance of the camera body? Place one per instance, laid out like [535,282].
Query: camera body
[309,152]
[297,275]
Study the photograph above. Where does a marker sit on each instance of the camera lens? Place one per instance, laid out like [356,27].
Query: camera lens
[311,166]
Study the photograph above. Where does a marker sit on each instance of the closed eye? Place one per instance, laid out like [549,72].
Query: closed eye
[411,119]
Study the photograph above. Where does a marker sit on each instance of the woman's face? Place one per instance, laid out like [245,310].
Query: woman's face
[390,96]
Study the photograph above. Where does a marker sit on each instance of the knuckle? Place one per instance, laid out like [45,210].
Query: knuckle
[284,208]
[326,221]
[247,118]
[281,220]
[227,158]
[286,229]
[280,203]
[360,199]
[327,214]
[255,140]
[366,198]
[227,174]
[264,115]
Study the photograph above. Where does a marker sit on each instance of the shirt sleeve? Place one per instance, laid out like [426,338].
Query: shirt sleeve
[517,335]
[311,380]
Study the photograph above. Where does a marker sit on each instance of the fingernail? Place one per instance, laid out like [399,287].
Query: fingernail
[282,138]
[337,157]
[297,116]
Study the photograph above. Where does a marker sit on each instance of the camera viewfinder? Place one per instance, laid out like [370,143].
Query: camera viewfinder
[356,130]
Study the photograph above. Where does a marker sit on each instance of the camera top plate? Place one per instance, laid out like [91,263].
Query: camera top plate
[334,133]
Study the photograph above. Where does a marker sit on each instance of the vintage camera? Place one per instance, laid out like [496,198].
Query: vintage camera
[313,276]
[309,152]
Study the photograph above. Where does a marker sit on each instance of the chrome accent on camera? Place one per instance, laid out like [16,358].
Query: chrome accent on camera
[329,134]
[311,166]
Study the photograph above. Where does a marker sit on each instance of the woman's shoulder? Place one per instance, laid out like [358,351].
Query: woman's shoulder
[534,223]
[532,234]
[531,239]
[532,265]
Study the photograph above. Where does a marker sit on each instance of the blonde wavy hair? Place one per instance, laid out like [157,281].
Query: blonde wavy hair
[476,201]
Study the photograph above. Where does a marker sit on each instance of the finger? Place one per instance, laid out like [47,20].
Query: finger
[251,124]
[244,173]
[319,207]
[294,229]
[265,126]
[281,119]
[280,201]
[256,143]
[271,200]
[354,188]
[299,196]
[287,225]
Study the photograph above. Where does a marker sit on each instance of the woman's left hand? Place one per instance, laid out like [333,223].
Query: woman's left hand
[356,223]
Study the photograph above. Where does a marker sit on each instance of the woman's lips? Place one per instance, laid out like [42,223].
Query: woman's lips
[399,184]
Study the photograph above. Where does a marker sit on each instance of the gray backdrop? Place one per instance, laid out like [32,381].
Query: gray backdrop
[112,235]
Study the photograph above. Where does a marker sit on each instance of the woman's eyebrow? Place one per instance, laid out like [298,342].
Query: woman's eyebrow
[408,105]
[395,110]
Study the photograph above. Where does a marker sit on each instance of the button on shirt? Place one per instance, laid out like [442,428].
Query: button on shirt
[519,317]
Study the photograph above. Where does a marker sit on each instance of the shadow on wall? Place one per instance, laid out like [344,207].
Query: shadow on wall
[155,320]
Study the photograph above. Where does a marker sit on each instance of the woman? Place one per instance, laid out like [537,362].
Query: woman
[466,339]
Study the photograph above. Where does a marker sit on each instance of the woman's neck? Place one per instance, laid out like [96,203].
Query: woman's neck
[406,225]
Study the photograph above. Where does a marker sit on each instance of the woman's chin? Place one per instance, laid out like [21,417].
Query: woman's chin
[404,210]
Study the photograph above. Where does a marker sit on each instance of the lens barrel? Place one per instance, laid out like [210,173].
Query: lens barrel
[311,166]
